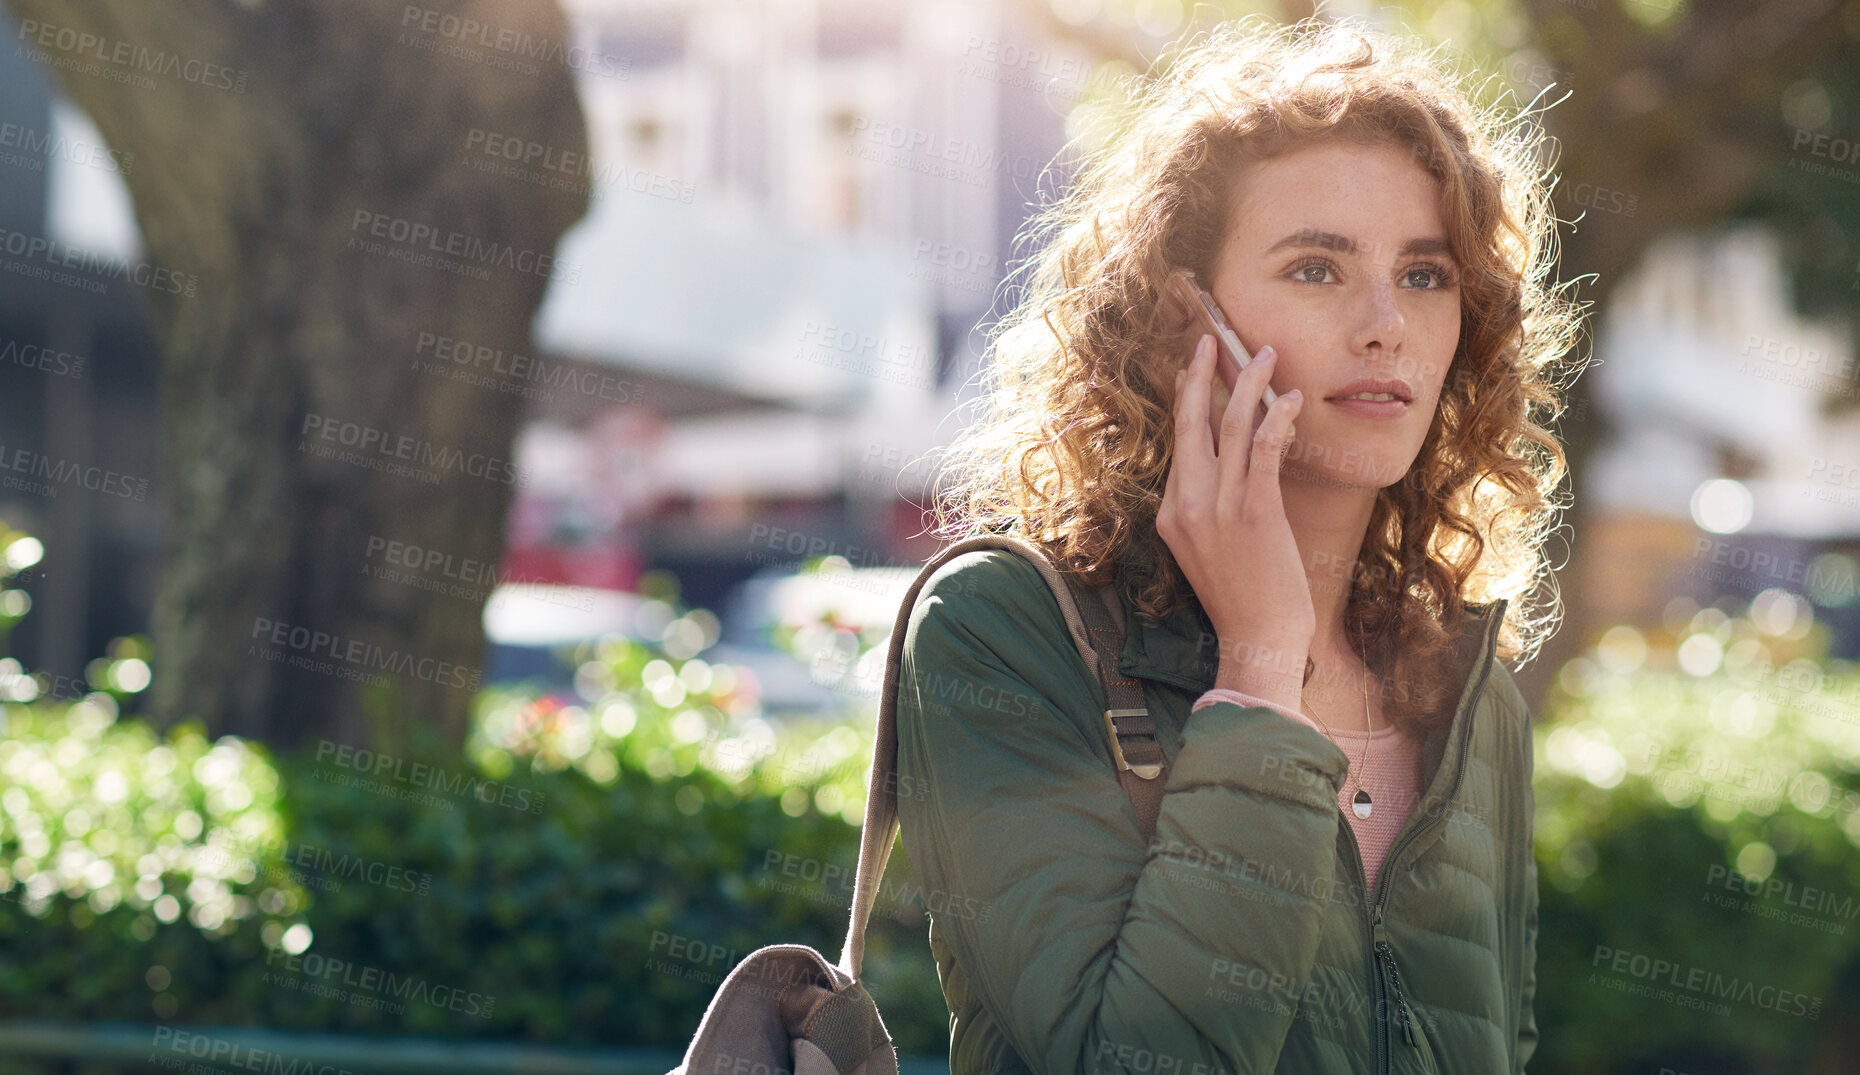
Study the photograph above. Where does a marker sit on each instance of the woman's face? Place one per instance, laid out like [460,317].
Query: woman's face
[1336,256]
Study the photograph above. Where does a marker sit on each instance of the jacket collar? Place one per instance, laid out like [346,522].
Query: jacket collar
[1181,650]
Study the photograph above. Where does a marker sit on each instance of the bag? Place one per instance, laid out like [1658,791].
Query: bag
[785,1010]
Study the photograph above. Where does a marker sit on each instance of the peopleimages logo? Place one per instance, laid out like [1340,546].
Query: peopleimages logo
[42,359]
[355,654]
[123,61]
[40,146]
[1695,987]
[566,169]
[344,979]
[429,242]
[64,472]
[171,1045]
[433,561]
[460,356]
[511,40]
[431,777]
[383,449]
[348,867]
[96,268]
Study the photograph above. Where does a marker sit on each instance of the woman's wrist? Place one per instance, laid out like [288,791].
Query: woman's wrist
[1273,673]
[1216,695]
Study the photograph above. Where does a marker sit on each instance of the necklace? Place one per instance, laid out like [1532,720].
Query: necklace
[1361,804]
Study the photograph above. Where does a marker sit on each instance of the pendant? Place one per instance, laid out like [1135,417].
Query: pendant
[1361,803]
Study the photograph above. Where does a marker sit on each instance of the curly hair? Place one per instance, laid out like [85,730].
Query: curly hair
[1073,444]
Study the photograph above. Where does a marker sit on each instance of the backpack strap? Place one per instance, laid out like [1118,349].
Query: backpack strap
[1132,731]
[1127,719]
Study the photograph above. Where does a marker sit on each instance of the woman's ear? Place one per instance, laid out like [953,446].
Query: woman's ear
[1174,317]
[1177,323]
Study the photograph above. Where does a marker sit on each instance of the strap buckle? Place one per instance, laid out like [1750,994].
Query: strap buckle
[1147,771]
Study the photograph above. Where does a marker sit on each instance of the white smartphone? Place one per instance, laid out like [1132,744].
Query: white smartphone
[1202,304]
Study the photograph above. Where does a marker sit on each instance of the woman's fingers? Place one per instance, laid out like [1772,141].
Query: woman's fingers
[1194,451]
[1242,418]
[1228,368]
[1221,390]
[1172,482]
[1269,443]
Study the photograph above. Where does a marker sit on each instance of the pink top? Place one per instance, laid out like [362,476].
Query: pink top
[1394,781]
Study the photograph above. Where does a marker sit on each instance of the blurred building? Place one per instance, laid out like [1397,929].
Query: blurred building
[800,214]
[802,211]
[1733,459]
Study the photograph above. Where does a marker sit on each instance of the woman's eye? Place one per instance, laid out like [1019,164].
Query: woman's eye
[1315,272]
[1426,278]
[1420,277]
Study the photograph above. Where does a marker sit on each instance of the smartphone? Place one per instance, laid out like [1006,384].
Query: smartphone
[1233,357]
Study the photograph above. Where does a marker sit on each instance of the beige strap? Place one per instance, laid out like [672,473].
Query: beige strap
[880,829]
[1136,749]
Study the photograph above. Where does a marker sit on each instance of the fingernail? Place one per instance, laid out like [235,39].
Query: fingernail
[1266,354]
[1294,394]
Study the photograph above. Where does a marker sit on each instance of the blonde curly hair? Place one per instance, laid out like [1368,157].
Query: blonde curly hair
[1073,443]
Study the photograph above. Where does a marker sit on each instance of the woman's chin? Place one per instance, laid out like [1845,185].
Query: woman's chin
[1343,469]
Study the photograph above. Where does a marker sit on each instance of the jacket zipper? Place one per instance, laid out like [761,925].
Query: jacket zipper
[1375,968]
[1383,972]
[1386,958]
[1380,952]
[1381,957]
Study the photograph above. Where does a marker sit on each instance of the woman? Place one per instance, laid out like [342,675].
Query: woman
[1319,590]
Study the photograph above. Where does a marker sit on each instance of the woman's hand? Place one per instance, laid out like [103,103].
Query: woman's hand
[1223,519]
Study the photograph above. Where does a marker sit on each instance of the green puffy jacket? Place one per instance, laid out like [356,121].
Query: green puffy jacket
[1240,939]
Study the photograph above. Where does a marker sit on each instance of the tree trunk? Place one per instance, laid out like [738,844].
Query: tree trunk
[304,169]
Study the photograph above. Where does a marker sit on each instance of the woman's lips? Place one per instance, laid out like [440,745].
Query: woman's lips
[1371,408]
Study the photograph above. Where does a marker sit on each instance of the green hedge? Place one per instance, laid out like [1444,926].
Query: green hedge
[591,867]
[608,917]
[586,876]
[1707,820]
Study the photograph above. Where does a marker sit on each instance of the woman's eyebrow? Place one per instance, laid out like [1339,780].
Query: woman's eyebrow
[1343,244]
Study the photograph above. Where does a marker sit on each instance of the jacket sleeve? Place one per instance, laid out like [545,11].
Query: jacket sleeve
[1527,1016]
[1093,952]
